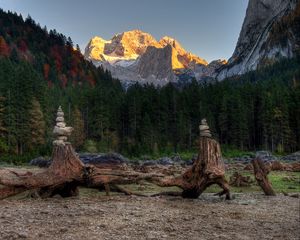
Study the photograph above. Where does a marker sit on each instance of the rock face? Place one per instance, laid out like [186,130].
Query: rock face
[270,31]
[136,56]
[156,63]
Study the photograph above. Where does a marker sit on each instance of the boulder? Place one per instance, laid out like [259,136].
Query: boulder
[109,158]
[266,156]
[40,162]
[165,161]
[177,159]
[292,157]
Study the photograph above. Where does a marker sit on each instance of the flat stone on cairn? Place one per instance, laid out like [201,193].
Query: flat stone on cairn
[204,129]
[60,131]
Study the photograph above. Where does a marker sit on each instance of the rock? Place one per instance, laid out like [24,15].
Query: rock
[257,43]
[149,163]
[40,162]
[292,157]
[165,161]
[265,156]
[22,235]
[204,129]
[243,159]
[109,158]
[176,159]
[295,195]
[189,162]
[136,56]
[60,131]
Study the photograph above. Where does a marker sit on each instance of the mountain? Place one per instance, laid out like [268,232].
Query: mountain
[270,31]
[136,56]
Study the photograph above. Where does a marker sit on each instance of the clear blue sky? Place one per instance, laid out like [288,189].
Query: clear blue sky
[207,28]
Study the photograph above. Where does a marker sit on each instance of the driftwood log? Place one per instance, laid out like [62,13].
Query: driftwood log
[67,172]
[64,175]
[238,180]
[208,169]
[261,175]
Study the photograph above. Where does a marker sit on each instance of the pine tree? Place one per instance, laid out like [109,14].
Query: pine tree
[78,135]
[3,130]
[37,125]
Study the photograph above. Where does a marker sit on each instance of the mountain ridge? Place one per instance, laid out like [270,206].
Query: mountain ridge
[269,32]
[123,56]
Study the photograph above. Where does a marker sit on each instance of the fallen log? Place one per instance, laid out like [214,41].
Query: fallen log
[261,175]
[238,180]
[65,173]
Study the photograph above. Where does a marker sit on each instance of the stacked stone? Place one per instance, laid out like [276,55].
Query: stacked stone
[60,131]
[204,129]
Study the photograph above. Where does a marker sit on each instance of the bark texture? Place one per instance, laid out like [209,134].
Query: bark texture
[261,175]
[208,169]
[64,175]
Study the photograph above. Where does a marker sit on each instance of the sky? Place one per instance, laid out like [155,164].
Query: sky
[207,28]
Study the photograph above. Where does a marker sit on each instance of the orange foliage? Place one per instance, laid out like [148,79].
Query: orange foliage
[73,72]
[91,80]
[63,79]
[4,48]
[50,84]
[55,53]
[46,70]
[22,46]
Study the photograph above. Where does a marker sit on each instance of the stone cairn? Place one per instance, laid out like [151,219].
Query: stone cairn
[204,129]
[60,131]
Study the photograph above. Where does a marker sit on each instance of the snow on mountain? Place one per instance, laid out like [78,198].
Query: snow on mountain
[124,55]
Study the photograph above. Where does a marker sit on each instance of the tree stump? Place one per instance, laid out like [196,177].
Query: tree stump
[208,169]
[65,173]
[62,177]
[261,175]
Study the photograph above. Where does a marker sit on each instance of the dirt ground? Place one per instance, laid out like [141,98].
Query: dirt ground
[248,216]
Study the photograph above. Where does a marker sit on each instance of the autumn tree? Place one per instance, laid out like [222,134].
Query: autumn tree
[4,47]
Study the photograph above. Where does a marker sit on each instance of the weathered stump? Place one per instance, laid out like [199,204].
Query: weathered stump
[261,175]
[207,170]
[62,177]
[65,173]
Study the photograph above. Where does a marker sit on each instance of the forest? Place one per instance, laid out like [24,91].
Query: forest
[41,69]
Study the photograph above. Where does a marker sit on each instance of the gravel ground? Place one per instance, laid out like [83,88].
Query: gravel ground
[248,216]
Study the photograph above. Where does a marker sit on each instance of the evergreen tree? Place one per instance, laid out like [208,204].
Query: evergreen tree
[37,126]
[78,135]
[3,130]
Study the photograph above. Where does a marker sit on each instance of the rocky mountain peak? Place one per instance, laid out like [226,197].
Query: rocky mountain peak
[259,39]
[126,55]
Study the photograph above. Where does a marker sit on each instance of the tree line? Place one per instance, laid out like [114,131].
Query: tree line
[41,69]
[259,110]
